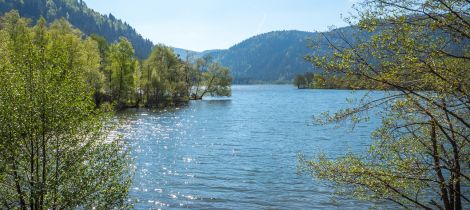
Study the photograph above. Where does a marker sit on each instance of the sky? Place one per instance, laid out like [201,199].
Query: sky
[219,24]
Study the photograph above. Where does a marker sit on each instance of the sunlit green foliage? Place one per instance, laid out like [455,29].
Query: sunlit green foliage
[420,157]
[163,78]
[81,16]
[210,78]
[121,66]
[54,151]
[54,85]
[168,80]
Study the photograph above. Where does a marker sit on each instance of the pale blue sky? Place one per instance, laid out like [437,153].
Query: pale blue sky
[218,24]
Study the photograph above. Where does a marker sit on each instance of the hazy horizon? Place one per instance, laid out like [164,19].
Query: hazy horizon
[215,24]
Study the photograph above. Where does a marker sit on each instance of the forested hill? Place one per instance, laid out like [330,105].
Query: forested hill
[269,57]
[274,56]
[82,17]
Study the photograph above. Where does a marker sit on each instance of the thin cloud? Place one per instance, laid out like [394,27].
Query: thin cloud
[261,23]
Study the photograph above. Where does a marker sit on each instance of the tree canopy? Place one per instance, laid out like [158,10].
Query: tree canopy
[86,19]
[211,78]
[54,149]
[420,157]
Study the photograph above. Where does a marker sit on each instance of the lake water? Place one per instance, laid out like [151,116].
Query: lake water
[240,152]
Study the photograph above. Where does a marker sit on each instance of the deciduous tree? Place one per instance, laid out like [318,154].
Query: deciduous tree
[54,151]
[420,158]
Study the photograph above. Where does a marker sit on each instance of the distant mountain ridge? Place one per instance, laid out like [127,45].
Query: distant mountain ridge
[276,56]
[183,53]
[269,57]
[82,17]
[272,56]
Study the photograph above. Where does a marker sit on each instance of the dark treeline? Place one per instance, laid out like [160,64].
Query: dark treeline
[349,81]
[311,80]
[82,17]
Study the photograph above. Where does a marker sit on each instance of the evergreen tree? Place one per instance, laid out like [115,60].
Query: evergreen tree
[82,17]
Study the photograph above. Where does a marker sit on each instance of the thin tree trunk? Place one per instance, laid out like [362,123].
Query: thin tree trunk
[455,182]
[437,167]
[207,88]
[18,185]
[44,161]
[31,140]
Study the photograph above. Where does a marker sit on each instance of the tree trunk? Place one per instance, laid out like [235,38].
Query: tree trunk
[437,167]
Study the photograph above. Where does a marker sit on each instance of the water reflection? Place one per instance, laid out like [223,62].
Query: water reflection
[221,102]
[238,153]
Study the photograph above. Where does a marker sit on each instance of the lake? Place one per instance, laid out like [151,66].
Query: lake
[240,152]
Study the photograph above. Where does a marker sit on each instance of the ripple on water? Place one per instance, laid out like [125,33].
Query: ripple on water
[240,153]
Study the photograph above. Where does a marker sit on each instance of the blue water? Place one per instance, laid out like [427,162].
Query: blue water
[240,152]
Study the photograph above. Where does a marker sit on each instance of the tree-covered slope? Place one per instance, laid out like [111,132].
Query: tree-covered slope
[272,56]
[276,56]
[279,55]
[82,17]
